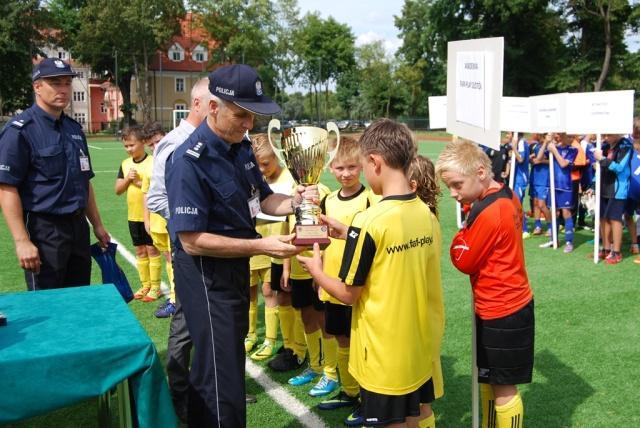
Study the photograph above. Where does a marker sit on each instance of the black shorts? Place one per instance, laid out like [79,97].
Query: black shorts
[381,409]
[612,209]
[303,294]
[630,207]
[337,319]
[505,348]
[139,235]
[276,275]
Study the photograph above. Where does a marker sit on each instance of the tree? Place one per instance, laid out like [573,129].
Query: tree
[19,44]
[123,32]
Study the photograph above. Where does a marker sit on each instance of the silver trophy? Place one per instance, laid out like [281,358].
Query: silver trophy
[305,151]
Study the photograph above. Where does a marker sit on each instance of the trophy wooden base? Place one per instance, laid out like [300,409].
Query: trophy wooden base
[309,234]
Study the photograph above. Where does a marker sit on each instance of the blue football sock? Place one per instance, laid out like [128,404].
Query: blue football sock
[568,230]
[539,223]
[525,227]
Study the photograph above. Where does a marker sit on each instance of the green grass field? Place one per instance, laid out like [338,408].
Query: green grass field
[587,352]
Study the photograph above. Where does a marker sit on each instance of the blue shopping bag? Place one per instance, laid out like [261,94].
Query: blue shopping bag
[111,272]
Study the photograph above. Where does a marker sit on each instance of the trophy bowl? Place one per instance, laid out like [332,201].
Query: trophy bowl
[305,151]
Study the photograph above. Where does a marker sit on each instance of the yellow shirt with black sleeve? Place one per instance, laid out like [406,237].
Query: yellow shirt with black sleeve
[297,271]
[135,197]
[392,251]
[342,209]
[284,181]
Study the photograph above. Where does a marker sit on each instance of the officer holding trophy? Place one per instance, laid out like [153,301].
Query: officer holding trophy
[215,190]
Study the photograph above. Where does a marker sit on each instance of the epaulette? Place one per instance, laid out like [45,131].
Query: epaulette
[19,123]
[195,150]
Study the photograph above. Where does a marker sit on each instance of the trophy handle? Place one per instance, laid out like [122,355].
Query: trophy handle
[275,124]
[331,126]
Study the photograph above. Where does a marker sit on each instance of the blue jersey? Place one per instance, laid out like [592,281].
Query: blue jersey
[588,173]
[616,169]
[562,176]
[522,168]
[539,172]
[211,184]
[634,182]
[47,160]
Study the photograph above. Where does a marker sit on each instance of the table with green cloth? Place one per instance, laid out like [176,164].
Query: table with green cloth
[63,346]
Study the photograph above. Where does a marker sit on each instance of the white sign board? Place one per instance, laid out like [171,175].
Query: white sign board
[600,112]
[474,89]
[438,112]
[515,114]
[549,113]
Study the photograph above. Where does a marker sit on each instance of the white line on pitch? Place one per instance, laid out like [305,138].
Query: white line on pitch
[94,147]
[287,401]
[291,404]
[107,171]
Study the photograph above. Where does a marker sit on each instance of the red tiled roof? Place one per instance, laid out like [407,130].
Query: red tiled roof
[191,35]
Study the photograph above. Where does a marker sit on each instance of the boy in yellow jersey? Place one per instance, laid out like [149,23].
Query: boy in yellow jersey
[260,266]
[322,350]
[156,226]
[391,257]
[342,205]
[130,175]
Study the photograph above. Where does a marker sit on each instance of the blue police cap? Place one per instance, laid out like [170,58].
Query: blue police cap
[50,67]
[240,84]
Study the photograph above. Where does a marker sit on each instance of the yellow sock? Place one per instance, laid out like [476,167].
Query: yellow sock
[286,315]
[314,345]
[155,272]
[299,341]
[330,353]
[428,422]
[172,285]
[271,323]
[510,415]
[253,318]
[487,401]
[142,264]
[349,384]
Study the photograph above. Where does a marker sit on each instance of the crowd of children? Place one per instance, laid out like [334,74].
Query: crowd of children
[574,158]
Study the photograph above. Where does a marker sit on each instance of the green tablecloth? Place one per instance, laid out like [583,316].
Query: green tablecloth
[64,346]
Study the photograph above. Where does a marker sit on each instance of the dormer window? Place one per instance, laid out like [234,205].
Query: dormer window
[176,53]
[199,54]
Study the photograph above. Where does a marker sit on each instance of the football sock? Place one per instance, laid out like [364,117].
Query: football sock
[428,422]
[525,227]
[487,400]
[349,384]
[155,271]
[314,345]
[299,341]
[271,323]
[568,230]
[539,223]
[172,285]
[253,318]
[330,354]
[142,264]
[286,314]
[510,415]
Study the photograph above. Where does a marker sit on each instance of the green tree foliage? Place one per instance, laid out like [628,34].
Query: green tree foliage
[19,44]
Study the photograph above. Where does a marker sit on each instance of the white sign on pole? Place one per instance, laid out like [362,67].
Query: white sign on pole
[549,113]
[515,114]
[474,89]
[438,112]
[600,112]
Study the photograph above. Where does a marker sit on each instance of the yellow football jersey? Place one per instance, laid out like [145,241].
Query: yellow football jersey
[157,223]
[393,252]
[135,197]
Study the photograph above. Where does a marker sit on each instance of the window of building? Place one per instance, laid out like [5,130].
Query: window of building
[180,106]
[78,96]
[199,54]
[80,74]
[176,53]
[179,84]
[81,118]
[62,55]
[103,108]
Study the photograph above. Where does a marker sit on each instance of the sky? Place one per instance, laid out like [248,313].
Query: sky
[369,20]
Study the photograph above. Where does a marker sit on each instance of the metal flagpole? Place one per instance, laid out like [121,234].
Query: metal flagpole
[512,169]
[552,190]
[596,223]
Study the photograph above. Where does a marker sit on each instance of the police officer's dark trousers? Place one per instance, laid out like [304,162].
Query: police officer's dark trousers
[63,247]
[215,297]
[178,359]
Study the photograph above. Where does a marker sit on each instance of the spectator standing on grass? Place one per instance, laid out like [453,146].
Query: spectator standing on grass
[179,346]
[540,183]
[45,193]
[615,161]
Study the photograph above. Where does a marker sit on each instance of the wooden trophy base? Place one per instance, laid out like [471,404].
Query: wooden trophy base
[309,234]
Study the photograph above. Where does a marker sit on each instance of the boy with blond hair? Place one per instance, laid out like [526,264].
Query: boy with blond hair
[391,256]
[489,249]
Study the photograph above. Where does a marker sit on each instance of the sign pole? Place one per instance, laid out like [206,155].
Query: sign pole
[552,190]
[596,222]
[512,169]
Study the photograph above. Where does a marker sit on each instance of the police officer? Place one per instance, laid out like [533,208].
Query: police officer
[44,185]
[215,191]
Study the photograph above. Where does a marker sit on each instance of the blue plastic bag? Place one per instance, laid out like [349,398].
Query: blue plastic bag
[111,272]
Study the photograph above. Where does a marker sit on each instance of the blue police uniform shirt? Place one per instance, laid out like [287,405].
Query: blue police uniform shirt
[540,171]
[562,176]
[209,184]
[44,158]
